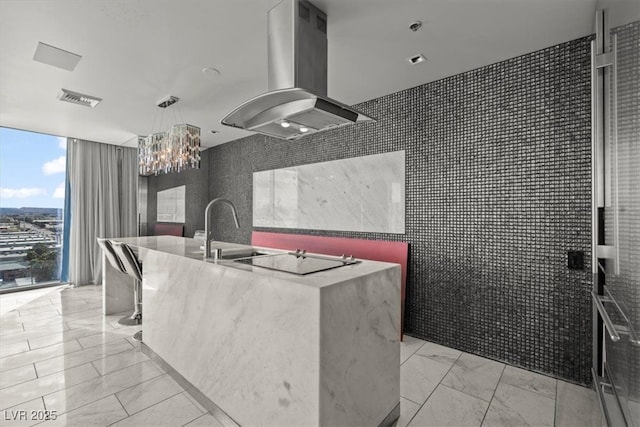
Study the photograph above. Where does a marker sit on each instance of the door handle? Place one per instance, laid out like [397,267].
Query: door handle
[611,329]
[614,330]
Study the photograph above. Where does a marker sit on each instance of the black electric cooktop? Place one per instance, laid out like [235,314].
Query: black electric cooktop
[297,262]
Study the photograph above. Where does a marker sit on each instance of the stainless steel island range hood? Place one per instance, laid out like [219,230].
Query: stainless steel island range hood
[296,103]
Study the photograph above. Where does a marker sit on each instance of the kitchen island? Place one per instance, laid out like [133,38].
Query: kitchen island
[271,348]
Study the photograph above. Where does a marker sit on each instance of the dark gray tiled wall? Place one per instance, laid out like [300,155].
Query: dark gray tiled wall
[497,192]
[196,195]
[498,189]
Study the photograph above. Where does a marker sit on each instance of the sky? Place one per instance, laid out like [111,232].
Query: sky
[32,169]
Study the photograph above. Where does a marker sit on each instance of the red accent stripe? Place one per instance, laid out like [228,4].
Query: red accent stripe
[375,250]
[160,229]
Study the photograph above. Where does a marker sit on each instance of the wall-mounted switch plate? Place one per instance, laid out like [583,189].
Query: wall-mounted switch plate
[575,260]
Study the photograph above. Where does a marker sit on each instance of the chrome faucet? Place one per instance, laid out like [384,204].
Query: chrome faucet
[208,233]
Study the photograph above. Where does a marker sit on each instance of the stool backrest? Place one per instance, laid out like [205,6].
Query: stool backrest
[110,254]
[129,260]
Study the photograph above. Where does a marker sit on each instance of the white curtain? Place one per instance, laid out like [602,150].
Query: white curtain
[103,186]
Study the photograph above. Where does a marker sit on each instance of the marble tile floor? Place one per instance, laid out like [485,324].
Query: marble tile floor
[58,353]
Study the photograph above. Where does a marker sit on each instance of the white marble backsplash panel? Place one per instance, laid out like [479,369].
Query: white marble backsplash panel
[171,205]
[364,194]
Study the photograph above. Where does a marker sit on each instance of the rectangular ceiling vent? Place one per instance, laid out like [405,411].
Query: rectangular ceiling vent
[78,98]
[57,57]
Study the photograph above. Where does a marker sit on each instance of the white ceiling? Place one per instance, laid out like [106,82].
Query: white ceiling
[135,52]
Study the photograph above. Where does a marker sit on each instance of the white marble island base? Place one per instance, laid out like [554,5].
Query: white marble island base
[276,349]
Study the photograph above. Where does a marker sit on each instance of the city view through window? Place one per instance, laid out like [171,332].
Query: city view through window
[32,190]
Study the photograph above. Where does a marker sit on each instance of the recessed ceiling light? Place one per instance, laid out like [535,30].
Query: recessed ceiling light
[57,57]
[213,131]
[416,59]
[304,129]
[285,124]
[78,98]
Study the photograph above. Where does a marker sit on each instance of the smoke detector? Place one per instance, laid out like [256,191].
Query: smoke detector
[78,98]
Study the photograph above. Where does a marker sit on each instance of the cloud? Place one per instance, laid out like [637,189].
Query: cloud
[62,142]
[20,193]
[55,166]
[58,193]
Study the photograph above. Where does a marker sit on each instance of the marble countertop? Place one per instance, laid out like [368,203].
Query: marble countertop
[190,248]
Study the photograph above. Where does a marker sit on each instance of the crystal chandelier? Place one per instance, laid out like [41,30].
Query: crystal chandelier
[172,151]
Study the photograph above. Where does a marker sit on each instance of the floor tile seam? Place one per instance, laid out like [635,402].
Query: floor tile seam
[434,389]
[62,325]
[40,299]
[28,399]
[110,355]
[414,352]
[103,332]
[74,312]
[419,407]
[85,311]
[126,367]
[102,356]
[21,325]
[116,354]
[71,326]
[19,352]
[44,333]
[71,339]
[437,361]
[30,318]
[34,315]
[123,407]
[201,415]
[40,360]
[50,345]
[486,411]
[84,382]
[21,382]
[60,389]
[527,389]
[28,307]
[7,330]
[34,328]
[412,401]
[43,421]
[186,396]
[66,411]
[160,401]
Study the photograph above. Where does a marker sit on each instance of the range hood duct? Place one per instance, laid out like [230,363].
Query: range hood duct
[296,103]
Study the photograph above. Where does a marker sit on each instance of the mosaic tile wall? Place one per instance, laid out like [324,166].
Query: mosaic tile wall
[497,192]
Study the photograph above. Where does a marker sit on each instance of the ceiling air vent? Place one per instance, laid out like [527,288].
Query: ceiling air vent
[78,98]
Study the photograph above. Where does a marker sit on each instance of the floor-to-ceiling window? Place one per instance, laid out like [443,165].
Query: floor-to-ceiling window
[32,192]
